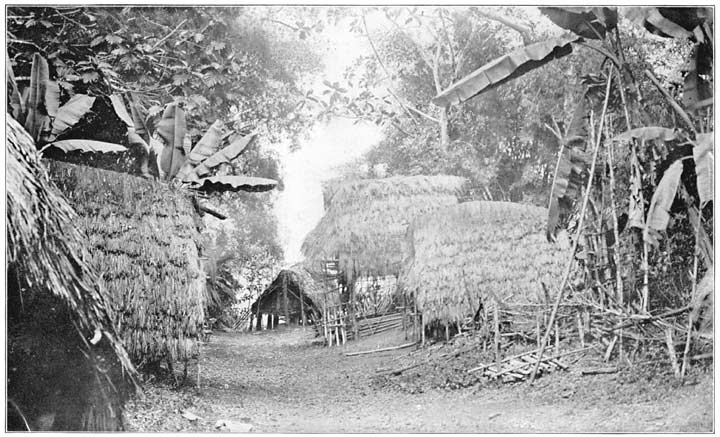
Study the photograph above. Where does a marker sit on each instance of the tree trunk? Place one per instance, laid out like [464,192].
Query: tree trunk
[444,130]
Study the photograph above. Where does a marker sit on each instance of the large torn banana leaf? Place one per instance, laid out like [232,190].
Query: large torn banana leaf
[662,199]
[172,128]
[225,155]
[704,166]
[234,183]
[589,22]
[71,112]
[505,68]
[206,147]
[86,146]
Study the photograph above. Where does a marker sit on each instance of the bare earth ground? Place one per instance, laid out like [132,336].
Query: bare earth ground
[281,382]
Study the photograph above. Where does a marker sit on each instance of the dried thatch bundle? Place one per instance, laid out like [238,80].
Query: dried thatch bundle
[465,254]
[142,236]
[367,220]
[57,379]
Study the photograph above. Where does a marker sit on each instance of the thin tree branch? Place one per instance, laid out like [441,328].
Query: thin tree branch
[450,46]
[157,44]
[387,73]
[522,30]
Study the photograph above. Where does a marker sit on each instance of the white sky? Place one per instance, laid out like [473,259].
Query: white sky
[300,206]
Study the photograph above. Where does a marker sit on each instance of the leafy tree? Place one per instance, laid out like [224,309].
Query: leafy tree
[219,62]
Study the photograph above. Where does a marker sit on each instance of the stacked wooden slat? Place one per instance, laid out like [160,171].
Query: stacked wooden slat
[375,325]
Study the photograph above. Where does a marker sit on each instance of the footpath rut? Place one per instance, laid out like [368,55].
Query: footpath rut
[280,382]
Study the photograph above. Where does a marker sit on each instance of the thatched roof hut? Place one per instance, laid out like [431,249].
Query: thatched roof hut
[365,225]
[57,379]
[143,238]
[300,285]
[473,251]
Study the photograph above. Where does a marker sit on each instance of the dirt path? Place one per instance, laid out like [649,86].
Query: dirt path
[280,382]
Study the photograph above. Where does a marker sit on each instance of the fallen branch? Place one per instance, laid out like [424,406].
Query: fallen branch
[599,371]
[384,349]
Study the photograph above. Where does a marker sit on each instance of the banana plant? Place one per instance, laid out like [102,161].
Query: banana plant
[166,152]
[175,159]
[37,108]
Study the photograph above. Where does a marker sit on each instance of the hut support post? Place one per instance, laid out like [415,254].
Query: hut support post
[302,310]
[497,334]
[356,332]
[422,329]
[415,316]
[404,321]
[285,301]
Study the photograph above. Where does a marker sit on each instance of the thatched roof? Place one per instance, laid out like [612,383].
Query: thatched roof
[45,245]
[301,282]
[366,222]
[143,237]
[475,250]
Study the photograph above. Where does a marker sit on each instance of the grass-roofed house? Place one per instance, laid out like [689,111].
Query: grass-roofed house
[67,369]
[366,221]
[295,294]
[479,254]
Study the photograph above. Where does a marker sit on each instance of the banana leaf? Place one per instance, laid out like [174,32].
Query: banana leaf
[86,146]
[17,103]
[505,68]
[655,22]
[120,110]
[172,128]
[225,155]
[704,166]
[137,117]
[71,112]
[647,133]
[588,22]
[204,148]
[662,199]
[570,173]
[37,107]
[233,183]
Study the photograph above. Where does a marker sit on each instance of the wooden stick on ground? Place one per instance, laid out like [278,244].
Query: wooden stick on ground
[384,349]
[571,259]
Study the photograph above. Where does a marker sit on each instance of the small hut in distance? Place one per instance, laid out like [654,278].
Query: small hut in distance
[294,294]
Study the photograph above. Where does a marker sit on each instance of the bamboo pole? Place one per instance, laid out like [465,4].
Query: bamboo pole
[688,340]
[616,233]
[571,257]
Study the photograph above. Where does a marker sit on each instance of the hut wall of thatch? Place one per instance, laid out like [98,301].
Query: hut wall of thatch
[143,239]
[57,379]
[470,253]
[365,225]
